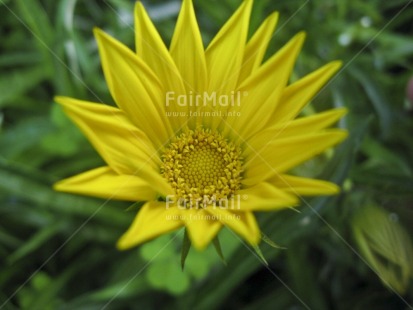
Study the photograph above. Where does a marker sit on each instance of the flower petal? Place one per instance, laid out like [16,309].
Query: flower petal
[264,87]
[242,223]
[135,88]
[202,227]
[103,182]
[153,220]
[304,186]
[152,50]
[265,197]
[112,134]
[125,148]
[257,46]
[187,49]
[297,127]
[298,94]
[281,155]
[224,56]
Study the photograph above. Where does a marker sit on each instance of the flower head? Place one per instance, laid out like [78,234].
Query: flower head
[205,137]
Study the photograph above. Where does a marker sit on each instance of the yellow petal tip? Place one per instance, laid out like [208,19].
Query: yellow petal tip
[246,5]
[127,241]
[333,189]
[139,7]
[57,99]
[334,66]
[57,187]
[274,14]
[63,101]
[97,31]
[294,202]
[300,37]
[121,245]
[273,17]
[343,133]
[343,110]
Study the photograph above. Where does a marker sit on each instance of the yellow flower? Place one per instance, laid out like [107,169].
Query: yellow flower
[205,137]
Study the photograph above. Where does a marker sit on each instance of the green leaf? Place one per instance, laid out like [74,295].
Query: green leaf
[259,253]
[8,239]
[19,58]
[186,246]
[18,82]
[16,183]
[200,264]
[177,281]
[35,242]
[383,158]
[46,291]
[35,19]
[56,142]
[386,246]
[157,248]
[135,206]
[27,132]
[124,289]
[377,97]
[40,281]
[303,276]
[168,276]
[218,249]
[271,243]
[4,2]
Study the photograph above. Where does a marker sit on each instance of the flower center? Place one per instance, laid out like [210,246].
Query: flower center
[202,167]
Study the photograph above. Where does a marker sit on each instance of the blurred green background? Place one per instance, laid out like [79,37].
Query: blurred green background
[352,251]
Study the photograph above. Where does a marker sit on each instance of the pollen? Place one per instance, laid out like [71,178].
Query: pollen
[202,167]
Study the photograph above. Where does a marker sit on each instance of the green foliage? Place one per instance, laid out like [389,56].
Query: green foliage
[186,246]
[385,245]
[57,251]
[218,249]
[163,254]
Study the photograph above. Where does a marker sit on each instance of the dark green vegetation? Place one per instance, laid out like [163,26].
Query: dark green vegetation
[57,250]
